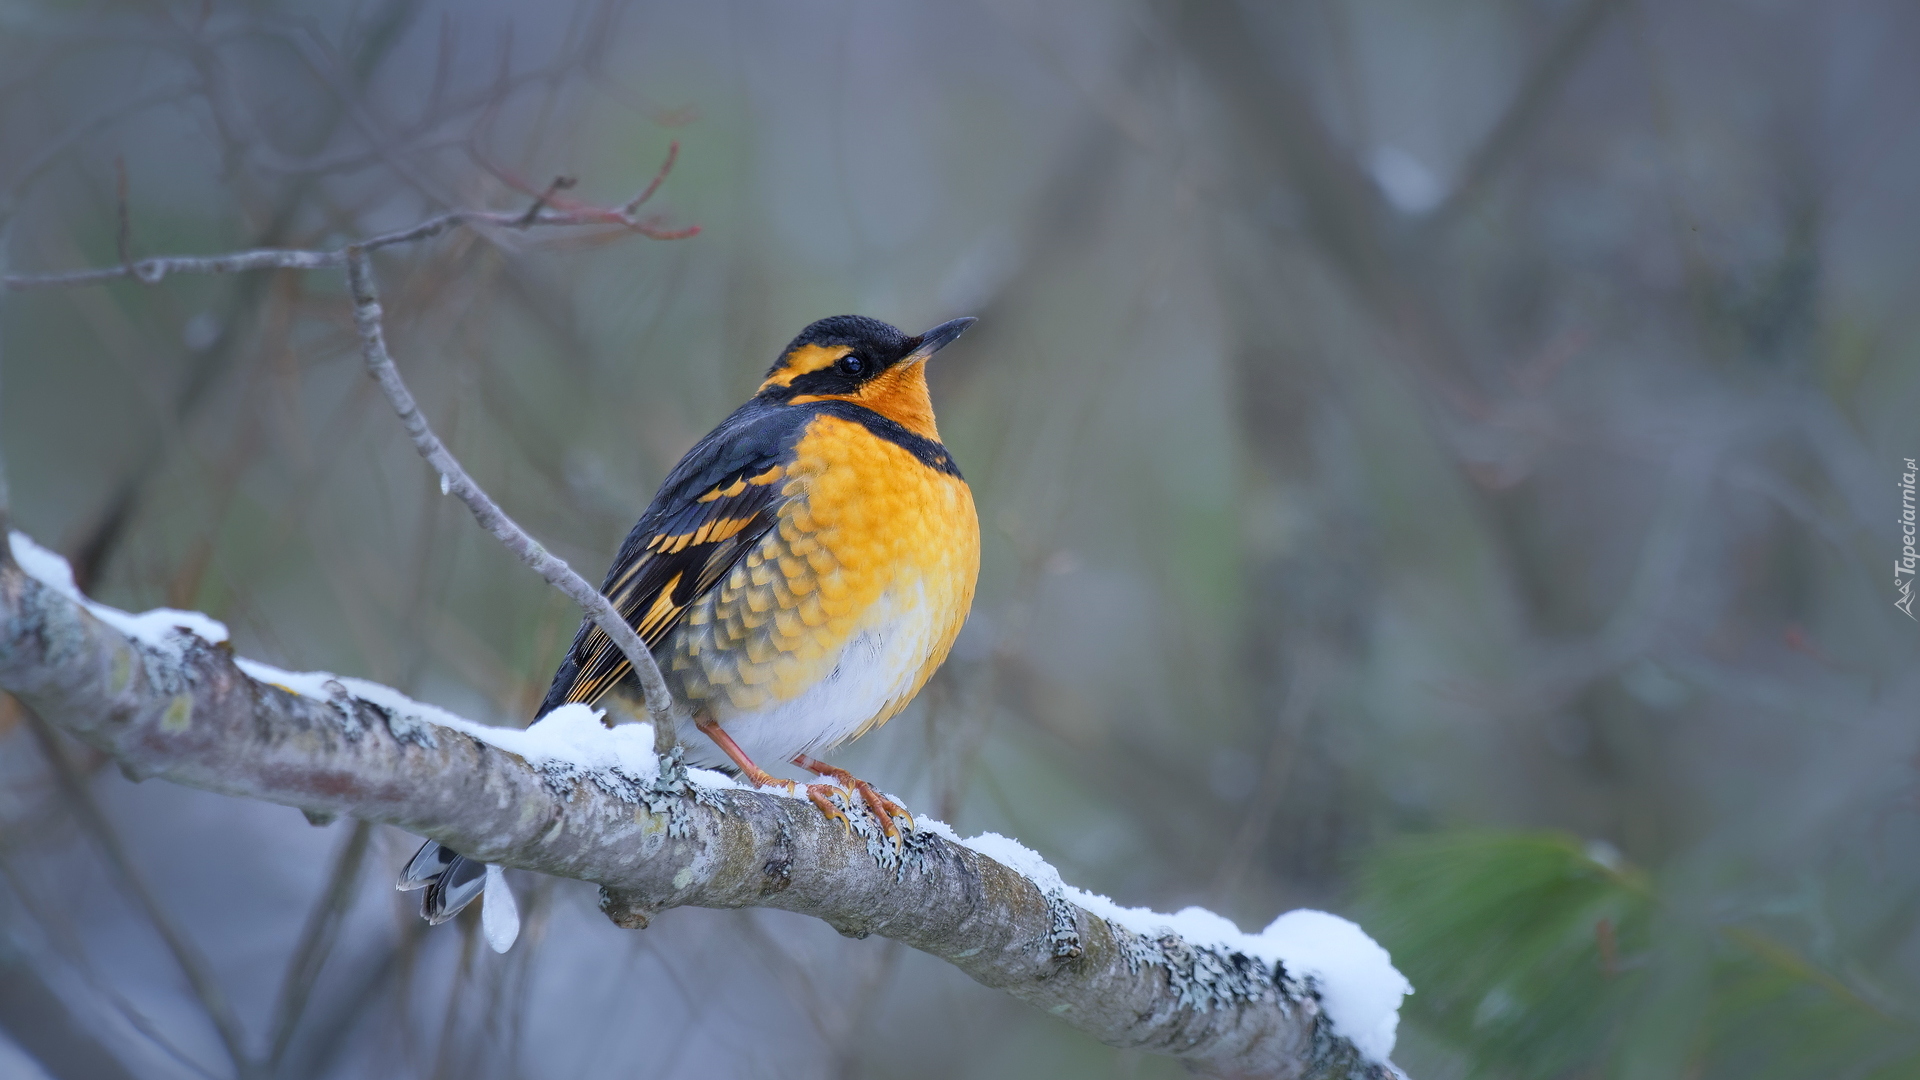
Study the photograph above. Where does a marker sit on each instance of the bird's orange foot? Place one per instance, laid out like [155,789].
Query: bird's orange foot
[883,809]
[760,778]
[821,795]
[751,773]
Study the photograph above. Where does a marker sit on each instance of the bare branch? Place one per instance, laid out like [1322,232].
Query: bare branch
[367,318]
[454,480]
[673,153]
[1525,111]
[587,214]
[549,209]
[560,183]
[183,710]
[316,943]
[193,965]
[152,270]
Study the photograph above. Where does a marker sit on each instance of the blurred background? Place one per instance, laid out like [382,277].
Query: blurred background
[1437,462]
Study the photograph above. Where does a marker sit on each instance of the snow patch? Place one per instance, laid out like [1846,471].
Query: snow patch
[148,628]
[1015,856]
[570,735]
[1359,986]
[575,735]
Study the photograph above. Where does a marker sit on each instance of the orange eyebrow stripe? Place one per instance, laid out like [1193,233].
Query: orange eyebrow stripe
[802,360]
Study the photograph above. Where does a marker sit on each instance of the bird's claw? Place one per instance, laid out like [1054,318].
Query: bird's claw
[883,809]
[821,795]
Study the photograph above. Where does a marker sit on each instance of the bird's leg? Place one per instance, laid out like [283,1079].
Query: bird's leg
[755,775]
[817,794]
[883,809]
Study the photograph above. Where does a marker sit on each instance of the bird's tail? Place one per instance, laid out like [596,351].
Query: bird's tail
[452,881]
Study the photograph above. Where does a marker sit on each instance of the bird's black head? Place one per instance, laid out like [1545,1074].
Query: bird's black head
[846,355]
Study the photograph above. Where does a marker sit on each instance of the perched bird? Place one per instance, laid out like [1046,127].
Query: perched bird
[798,576]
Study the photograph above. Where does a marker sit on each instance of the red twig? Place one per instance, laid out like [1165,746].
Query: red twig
[569,211]
[673,153]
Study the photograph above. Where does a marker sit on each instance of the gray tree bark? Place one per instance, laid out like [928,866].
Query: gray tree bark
[183,711]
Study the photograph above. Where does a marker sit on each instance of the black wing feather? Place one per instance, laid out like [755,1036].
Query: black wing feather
[727,486]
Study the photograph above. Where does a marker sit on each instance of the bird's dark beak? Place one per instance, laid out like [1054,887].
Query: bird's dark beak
[933,340]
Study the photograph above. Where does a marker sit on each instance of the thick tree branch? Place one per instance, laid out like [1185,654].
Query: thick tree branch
[182,709]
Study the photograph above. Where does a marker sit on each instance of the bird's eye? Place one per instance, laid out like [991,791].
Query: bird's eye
[851,364]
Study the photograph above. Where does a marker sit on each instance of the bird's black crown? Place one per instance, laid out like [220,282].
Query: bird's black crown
[879,343]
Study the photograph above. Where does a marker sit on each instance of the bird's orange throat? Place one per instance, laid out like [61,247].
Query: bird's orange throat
[898,393]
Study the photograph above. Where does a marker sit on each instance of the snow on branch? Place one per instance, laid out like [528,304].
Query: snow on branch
[164,695]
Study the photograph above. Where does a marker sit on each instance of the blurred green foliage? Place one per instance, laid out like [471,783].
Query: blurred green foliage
[1538,956]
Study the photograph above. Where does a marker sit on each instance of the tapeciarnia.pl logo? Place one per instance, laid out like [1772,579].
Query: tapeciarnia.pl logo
[1905,564]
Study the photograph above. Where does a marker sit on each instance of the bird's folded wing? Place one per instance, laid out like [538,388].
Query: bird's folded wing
[685,543]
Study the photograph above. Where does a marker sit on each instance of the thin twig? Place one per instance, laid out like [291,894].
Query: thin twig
[549,209]
[50,154]
[67,944]
[194,966]
[1303,688]
[316,942]
[587,214]
[367,317]
[152,270]
[455,481]
[560,183]
[673,153]
[1525,110]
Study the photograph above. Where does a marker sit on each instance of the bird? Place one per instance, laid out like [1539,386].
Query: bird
[798,577]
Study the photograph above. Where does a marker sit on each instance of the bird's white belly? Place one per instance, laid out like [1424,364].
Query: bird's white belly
[877,667]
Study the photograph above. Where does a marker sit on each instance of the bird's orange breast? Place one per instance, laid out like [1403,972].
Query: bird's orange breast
[871,547]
